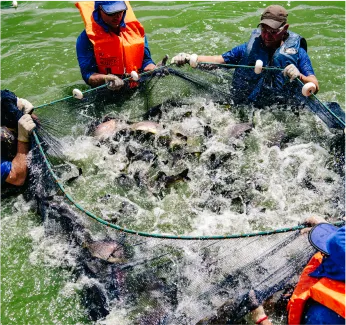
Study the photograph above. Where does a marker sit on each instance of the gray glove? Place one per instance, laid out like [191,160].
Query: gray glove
[183,58]
[292,72]
[113,82]
[25,106]
[25,127]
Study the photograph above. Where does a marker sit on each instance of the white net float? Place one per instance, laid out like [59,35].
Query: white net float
[308,89]
[258,66]
[77,93]
[14,4]
[134,76]
[193,60]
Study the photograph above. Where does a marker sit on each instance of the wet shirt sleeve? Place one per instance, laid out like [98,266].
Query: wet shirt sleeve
[85,56]
[235,55]
[304,63]
[5,170]
[10,114]
[147,55]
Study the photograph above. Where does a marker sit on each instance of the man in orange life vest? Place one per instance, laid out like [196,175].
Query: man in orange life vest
[319,297]
[112,45]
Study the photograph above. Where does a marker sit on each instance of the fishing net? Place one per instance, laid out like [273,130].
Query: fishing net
[176,221]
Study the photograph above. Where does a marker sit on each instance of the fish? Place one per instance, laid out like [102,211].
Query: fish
[109,251]
[217,161]
[277,139]
[107,129]
[134,154]
[167,181]
[236,130]
[147,126]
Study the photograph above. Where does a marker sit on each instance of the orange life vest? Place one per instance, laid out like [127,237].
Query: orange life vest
[115,54]
[329,293]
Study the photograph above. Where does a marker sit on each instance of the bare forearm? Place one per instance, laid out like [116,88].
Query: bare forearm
[97,79]
[211,58]
[19,168]
[310,78]
[150,67]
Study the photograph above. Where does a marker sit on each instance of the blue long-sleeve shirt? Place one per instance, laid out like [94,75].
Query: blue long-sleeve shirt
[317,314]
[6,167]
[10,115]
[236,54]
[85,50]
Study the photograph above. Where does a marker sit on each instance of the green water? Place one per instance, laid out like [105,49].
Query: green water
[38,62]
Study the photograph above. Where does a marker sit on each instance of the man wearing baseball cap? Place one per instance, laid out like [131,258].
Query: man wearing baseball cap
[112,45]
[319,297]
[275,46]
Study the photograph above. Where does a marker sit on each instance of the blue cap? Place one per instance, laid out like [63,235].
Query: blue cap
[110,7]
[329,240]
[319,235]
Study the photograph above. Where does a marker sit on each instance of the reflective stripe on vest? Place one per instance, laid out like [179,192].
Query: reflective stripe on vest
[115,54]
[329,293]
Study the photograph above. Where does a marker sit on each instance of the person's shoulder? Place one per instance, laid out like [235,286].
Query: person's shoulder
[83,40]
[82,35]
[302,52]
[241,47]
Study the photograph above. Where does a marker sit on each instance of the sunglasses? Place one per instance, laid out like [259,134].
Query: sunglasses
[271,31]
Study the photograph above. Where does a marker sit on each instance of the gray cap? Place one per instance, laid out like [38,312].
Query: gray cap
[274,16]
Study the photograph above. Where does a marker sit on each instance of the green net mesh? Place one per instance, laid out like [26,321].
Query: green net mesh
[192,208]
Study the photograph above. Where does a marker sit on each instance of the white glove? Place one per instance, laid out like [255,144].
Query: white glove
[113,82]
[25,106]
[25,127]
[183,58]
[292,72]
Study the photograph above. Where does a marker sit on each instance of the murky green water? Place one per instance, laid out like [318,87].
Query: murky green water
[38,62]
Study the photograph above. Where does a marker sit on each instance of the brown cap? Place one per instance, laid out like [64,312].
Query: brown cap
[274,16]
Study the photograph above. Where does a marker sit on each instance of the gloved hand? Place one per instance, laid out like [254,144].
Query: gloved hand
[113,82]
[25,127]
[25,106]
[183,58]
[292,72]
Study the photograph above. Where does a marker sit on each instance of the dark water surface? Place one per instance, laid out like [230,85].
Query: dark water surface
[38,62]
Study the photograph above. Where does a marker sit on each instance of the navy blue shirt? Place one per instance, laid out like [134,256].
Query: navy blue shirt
[236,54]
[85,50]
[5,170]
[317,314]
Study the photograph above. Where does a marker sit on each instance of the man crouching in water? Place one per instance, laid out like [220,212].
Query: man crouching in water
[16,127]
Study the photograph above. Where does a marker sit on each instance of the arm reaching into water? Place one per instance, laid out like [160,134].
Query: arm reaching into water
[19,167]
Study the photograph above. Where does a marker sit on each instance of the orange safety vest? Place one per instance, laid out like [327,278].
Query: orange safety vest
[329,293]
[115,54]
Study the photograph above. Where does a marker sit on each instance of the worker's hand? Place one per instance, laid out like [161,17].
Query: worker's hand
[259,316]
[292,72]
[25,127]
[113,82]
[312,221]
[25,106]
[183,58]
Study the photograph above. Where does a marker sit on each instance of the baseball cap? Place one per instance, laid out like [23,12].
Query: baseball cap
[329,240]
[274,16]
[110,7]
